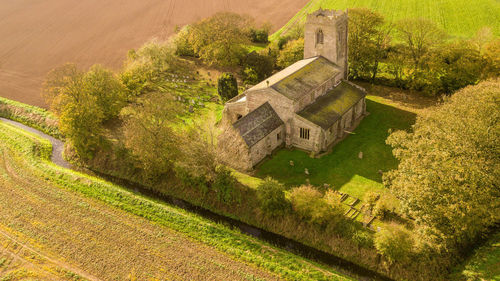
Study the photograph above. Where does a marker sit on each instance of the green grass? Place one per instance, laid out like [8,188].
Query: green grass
[484,264]
[460,18]
[342,168]
[37,152]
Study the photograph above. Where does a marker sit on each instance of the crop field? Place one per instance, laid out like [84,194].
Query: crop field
[56,224]
[460,18]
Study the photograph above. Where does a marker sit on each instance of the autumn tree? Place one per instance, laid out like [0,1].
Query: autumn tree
[149,133]
[292,52]
[219,40]
[368,42]
[146,68]
[83,101]
[419,37]
[449,169]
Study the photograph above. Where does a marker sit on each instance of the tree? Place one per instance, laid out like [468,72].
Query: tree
[449,169]
[110,93]
[83,101]
[148,67]
[149,133]
[260,35]
[419,36]
[271,195]
[368,42]
[227,86]
[292,52]
[259,64]
[219,40]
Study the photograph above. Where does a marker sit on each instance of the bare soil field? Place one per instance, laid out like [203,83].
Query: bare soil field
[49,233]
[37,36]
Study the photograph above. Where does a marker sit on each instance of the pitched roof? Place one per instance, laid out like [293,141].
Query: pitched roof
[257,124]
[300,78]
[327,109]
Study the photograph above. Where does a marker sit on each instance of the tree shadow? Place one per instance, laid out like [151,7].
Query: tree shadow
[343,164]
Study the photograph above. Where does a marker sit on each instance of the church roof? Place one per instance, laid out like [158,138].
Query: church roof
[327,109]
[257,124]
[300,78]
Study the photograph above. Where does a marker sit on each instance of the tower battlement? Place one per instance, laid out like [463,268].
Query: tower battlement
[325,35]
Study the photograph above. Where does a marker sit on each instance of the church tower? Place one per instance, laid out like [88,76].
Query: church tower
[326,35]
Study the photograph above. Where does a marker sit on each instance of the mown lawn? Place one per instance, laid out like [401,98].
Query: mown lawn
[460,18]
[342,168]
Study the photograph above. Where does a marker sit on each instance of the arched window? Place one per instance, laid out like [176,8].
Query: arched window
[319,37]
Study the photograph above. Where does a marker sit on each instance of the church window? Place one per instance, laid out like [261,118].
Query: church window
[278,136]
[304,133]
[319,37]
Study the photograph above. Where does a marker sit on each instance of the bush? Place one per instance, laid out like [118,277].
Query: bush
[257,67]
[292,52]
[271,195]
[259,35]
[386,204]
[394,242]
[224,185]
[227,86]
[309,204]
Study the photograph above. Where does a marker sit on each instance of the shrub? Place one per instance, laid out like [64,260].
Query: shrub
[394,242]
[227,86]
[181,43]
[271,195]
[224,184]
[262,65]
[386,204]
[309,204]
[292,52]
[259,35]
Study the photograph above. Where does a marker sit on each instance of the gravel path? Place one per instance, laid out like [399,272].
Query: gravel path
[57,145]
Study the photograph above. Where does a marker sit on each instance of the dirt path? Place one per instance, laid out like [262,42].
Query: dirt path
[37,36]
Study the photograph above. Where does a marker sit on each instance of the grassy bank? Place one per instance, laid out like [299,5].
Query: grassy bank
[27,156]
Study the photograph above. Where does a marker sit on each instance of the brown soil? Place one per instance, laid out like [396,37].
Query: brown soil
[37,36]
[72,233]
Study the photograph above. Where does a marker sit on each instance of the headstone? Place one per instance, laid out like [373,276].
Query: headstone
[191,109]
[291,163]
[306,171]
[360,155]
[380,172]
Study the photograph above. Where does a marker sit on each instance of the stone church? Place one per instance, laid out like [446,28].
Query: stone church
[309,105]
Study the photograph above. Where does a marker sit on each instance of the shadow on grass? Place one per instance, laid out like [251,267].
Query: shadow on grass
[342,168]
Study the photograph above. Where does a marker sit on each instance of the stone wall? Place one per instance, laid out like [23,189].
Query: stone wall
[266,145]
[312,144]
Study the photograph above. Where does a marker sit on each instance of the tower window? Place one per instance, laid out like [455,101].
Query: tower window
[304,133]
[319,37]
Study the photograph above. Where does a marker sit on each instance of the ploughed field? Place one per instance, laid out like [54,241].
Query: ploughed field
[38,36]
[56,224]
[460,18]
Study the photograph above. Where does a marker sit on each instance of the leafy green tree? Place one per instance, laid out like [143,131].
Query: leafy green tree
[368,42]
[149,133]
[181,43]
[261,64]
[292,52]
[227,86]
[449,169]
[260,35]
[271,195]
[220,39]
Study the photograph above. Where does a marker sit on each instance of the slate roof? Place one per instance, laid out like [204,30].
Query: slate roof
[327,109]
[257,124]
[301,77]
